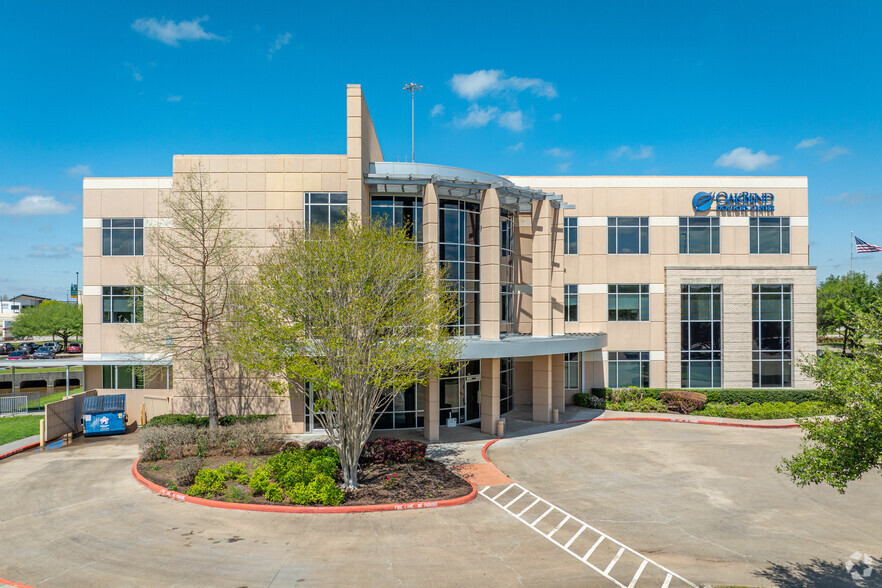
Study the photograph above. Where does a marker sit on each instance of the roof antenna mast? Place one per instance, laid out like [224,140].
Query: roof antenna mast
[412,88]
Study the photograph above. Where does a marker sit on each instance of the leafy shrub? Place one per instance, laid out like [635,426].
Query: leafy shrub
[165,420]
[733,395]
[650,405]
[208,483]
[274,493]
[387,450]
[176,442]
[243,479]
[236,493]
[316,445]
[589,400]
[232,469]
[683,401]
[260,479]
[626,395]
[320,490]
[767,410]
[168,442]
[186,470]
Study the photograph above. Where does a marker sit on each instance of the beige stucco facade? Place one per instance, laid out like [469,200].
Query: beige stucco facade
[270,190]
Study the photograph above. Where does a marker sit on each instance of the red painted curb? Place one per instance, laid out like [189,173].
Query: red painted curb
[301,509]
[687,421]
[14,584]
[17,451]
[484,450]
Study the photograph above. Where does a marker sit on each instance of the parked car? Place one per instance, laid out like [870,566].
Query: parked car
[6,348]
[19,355]
[45,353]
[29,347]
[56,345]
[74,348]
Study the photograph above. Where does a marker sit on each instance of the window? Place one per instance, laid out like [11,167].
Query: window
[701,337]
[404,412]
[572,362]
[506,272]
[571,303]
[401,212]
[123,304]
[506,384]
[628,234]
[571,236]
[324,209]
[123,377]
[628,368]
[772,336]
[699,234]
[628,302]
[459,228]
[122,236]
[769,235]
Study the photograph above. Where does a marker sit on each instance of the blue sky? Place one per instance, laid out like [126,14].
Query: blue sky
[669,88]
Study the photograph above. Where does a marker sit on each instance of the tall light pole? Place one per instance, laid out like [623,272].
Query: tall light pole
[412,88]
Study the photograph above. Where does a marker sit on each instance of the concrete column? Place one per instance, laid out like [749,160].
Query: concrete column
[489,395]
[432,411]
[558,400]
[490,239]
[542,269]
[557,271]
[542,386]
[430,221]
[298,409]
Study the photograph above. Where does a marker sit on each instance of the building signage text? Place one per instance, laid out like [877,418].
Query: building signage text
[734,201]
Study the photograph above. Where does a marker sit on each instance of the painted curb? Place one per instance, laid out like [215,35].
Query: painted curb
[486,447]
[687,421]
[14,584]
[300,509]
[15,452]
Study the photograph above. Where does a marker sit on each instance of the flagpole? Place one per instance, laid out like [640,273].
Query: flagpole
[851,250]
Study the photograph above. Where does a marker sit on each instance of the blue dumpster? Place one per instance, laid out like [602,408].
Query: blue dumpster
[104,415]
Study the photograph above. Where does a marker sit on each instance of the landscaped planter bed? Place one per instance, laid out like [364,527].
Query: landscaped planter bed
[428,481]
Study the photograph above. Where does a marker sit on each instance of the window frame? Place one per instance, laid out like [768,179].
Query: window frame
[109,230]
[571,303]
[109,294]
[698,222]
[616,358]
[689,354]
[571,235]
[614,223]
[312,203]
[762,353]
[613,313]
[761,225]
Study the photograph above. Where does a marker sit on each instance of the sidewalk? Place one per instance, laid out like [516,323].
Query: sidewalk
[9,447]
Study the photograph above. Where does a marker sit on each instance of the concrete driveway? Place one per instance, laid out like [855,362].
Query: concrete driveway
[703,501]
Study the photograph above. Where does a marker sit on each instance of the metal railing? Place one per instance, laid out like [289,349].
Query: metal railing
[14,405]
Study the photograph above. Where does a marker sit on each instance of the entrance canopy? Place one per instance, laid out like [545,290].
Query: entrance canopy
[529,346]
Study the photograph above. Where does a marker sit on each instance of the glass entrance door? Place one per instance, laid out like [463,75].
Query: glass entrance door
[472,408]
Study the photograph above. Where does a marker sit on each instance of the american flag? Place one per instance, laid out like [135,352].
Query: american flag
[864,247]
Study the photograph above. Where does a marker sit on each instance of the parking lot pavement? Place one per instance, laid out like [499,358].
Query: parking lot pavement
[76,517]
[703,501]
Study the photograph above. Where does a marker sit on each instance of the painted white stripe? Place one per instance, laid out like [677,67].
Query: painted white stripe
[605,355]
[656,288]
[126,183]
[734,221]
[91,223]
[667,581]
[592,221]
[637,574]
[656,356]
[614,561]
[799,221]
[532,504]
[592,289]
[576,536]
[507,488]
[91,290]
[559,525]
[542,516]
[664,221]
[685,182]
[593,547]
[515,500]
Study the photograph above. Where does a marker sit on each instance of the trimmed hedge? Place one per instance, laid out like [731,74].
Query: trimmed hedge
[683,401]
[165,420]
[731,395]
[767,410]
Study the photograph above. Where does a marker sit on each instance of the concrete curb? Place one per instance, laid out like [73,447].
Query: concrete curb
[487,446]
[13,584]
[687,421]
[301,509]
[17,451]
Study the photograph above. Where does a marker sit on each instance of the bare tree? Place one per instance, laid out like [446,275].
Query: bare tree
[358,313]
[193,259]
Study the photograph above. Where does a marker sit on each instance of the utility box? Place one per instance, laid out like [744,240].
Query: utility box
[104,415]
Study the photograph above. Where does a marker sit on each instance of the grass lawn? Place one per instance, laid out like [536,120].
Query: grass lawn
[41,402]
[15,428]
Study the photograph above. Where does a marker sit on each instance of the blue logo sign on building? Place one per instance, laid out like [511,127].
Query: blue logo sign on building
[734,201]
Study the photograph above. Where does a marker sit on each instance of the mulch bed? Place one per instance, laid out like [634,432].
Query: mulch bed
[418,482]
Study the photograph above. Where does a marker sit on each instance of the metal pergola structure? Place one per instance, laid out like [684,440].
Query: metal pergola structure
[68,363]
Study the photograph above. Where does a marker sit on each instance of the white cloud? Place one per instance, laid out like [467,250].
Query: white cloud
[746,159]
[437,110]
[477,116]
[171,32]
[17,189]
[556,117]
[806,143]
[564,166]
[173,99]
[645,152]
[516,147]
[35,206]
[834,152]
[493,81]
[135,73]
[558,152]
[77,247]
[513,120]
[79,171]
[49,251]
[281,41]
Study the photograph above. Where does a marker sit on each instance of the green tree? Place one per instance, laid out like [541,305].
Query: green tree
[840,450]
[188,273]
[357,312]
[50,319]
[840,298]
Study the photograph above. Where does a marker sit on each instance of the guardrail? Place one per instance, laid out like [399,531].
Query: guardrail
[14,405]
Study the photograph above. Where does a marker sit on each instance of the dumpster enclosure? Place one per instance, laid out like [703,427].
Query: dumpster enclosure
[104,415]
